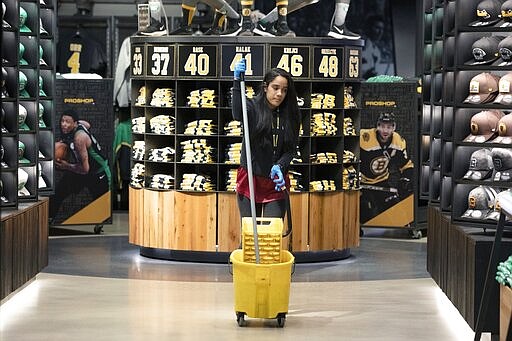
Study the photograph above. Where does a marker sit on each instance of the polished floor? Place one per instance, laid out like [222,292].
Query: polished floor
[97,287]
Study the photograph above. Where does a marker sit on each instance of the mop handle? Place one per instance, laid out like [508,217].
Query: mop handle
[249,166]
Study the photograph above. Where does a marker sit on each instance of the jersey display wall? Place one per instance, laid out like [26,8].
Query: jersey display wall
[83,152]
[79,51]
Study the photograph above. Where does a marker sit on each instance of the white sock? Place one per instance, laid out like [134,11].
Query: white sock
[340,12]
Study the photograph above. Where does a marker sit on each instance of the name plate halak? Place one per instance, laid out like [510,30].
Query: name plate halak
[197,61]
[160,61]
[232,54]
[137,67]
[295,60]
[327,62]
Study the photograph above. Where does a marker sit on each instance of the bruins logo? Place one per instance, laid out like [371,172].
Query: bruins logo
[472,202]
[246,12]
[366,137]
[502,129]
[379,165]
[283,11]
[474,128]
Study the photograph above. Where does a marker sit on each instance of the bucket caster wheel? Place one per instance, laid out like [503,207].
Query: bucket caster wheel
[240,319]
[281,318]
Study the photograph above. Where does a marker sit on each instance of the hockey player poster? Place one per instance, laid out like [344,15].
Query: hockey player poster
[388,154]
[83,152]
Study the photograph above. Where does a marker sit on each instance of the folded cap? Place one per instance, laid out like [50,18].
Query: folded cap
[506,11]
[480,165]
[5,24]
[40,114]
[22,118]
[42,30]
[501,158]
[21,52]
[22,83]
[505,51]
[22,181]
[484,125]
[505,90]
[483,88]
[41,91]
[487,12]
[480,202]
[485,50]
[23,20]
[504,130]
[21,153]
[495,213]
[41,60]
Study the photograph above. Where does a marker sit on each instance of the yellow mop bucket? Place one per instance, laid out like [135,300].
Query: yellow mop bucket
[270,232]
[262,290]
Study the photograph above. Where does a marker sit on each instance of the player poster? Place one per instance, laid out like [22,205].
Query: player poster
[388,154]
[83,152]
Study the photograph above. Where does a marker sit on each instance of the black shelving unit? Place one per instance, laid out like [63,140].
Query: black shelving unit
[30,86]
[459,245]
[186,64]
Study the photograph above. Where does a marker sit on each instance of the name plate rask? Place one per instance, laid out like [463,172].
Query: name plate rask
[197,61]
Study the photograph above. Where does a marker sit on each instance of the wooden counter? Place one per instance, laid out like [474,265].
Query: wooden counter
[171,223]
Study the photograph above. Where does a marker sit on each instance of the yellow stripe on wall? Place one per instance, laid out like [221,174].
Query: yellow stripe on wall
[95,213]
[399,215]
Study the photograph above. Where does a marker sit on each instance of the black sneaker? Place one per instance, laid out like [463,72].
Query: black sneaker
[233,27]
[265,29]
[282,30]
[182,30]
[246,29]
[156,29]
[341,32]
[212,31]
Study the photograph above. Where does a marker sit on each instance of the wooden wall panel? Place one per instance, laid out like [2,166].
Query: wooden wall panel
[136,216]
[42,213]
[6,254]
[195,221]
[228,224]
[23,245]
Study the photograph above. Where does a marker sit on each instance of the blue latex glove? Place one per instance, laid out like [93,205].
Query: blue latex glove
[240,68]
[277,176]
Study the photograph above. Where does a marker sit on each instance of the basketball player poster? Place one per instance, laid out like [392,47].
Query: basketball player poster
[83,152]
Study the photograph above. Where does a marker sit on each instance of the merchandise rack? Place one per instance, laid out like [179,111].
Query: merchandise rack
[446,118]
[190,63]
[38,140]
[458,247]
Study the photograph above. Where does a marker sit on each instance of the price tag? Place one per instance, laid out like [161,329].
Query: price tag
[197,61]
[352,62]
[232,54]
[160,61]
[295,60]
[327,62]
[137,62]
